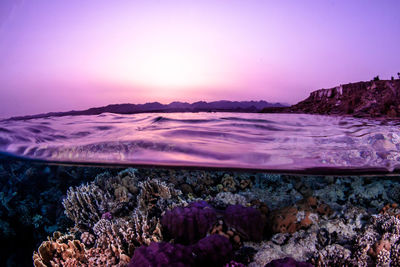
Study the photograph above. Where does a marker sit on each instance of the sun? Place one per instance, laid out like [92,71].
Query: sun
[163,66]
[169,69]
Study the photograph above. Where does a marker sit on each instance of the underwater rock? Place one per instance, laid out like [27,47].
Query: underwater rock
[188,224]
[288,262]
[246,220]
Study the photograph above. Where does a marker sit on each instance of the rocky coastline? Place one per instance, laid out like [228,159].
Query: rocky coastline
[373,99]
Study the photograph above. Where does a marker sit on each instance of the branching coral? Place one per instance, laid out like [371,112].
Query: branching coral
[61,250]
[85,204]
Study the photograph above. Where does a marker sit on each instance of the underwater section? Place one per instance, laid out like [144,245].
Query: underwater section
[55,215]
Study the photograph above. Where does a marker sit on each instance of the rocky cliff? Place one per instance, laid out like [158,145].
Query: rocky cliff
[362,99]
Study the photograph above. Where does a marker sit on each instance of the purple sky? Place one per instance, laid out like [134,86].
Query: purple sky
[76,54]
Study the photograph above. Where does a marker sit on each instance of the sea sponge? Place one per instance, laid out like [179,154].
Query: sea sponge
[246,220]
[188,224]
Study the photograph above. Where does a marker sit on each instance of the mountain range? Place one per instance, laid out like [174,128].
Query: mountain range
[200,106]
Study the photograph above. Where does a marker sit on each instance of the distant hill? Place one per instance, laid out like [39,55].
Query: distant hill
[201,106]
[362,99]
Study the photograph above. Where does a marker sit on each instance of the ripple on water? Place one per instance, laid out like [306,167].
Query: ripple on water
[244,140]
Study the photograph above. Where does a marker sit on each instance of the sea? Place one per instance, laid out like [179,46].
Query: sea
[68,178]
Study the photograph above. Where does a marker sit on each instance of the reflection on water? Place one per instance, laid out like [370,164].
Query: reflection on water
[232,140]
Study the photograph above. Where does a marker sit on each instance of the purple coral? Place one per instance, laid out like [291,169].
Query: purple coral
[214,250]
[288,262]
[189,224]
[246,220]
[162,254]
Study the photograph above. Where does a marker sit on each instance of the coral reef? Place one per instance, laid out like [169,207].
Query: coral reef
[30,205]
[245,219]
[115,214]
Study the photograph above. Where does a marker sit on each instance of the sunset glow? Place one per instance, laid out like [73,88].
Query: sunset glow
[78,54]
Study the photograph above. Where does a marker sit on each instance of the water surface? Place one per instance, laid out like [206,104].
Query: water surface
[228,140]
